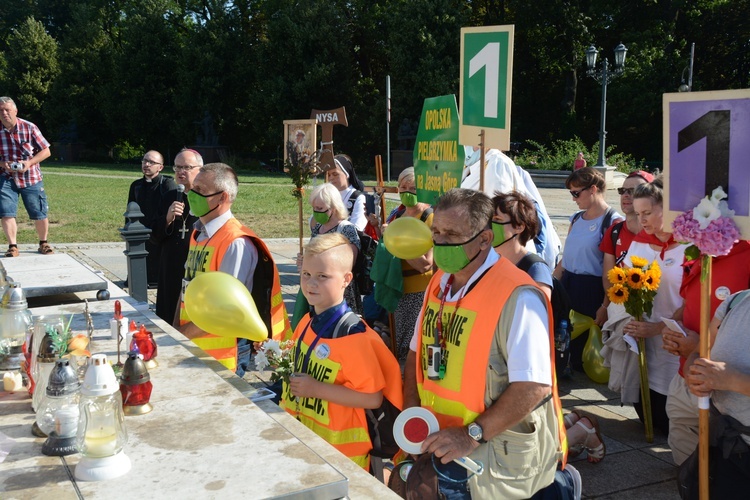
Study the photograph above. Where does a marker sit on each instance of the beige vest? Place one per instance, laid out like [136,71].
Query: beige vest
[523,459]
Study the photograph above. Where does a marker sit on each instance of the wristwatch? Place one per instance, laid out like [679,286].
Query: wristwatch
[475,432]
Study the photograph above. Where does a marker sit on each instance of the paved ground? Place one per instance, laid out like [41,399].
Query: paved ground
[632,469]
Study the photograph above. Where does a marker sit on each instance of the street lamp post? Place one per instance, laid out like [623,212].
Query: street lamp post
[687,86]
[604,75]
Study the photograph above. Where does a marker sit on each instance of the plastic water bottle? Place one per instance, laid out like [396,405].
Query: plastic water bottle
[562,337]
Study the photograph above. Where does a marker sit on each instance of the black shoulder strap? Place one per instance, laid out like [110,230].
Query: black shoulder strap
[607,221]
[576,216]
[426,214]
[616,232]
[353,199]
[528,260]
[348,320]
[739,295]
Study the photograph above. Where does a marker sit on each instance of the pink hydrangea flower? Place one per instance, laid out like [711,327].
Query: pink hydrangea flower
[716,239]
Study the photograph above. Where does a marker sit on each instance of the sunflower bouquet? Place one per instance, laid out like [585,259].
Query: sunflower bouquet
[636,288]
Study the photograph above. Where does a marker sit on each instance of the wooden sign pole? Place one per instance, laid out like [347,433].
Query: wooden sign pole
[705,352]
[481,161]
[380,190]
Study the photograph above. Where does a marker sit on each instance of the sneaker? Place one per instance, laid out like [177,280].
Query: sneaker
[575,477]
[12,252]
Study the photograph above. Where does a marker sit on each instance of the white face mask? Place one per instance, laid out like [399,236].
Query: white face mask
[471,156]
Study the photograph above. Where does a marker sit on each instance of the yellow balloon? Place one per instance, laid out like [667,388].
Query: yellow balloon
[219,303]
[407,238]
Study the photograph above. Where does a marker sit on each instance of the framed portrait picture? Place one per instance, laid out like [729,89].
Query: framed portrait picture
[302,136]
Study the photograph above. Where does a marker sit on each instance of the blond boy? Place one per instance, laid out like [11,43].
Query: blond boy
[342,367]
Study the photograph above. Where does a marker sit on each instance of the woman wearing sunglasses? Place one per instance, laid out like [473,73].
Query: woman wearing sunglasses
[581,267]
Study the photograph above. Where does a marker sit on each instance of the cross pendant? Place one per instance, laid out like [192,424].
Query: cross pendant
[183,230]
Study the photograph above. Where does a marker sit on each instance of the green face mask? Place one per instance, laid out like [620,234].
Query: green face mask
[498,231]
[451,257]
[408,198]
[199,203]
[321,217]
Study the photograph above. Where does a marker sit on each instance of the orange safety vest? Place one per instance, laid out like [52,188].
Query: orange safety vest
[361,362]
[207,256]
[458,399]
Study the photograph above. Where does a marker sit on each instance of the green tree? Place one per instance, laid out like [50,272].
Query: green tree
[423,44]
[31,67]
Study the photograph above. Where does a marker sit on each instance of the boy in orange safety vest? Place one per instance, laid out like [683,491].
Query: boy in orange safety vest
[342,367]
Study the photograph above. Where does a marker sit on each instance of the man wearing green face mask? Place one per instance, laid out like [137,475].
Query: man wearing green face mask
[221,243]
[480,361]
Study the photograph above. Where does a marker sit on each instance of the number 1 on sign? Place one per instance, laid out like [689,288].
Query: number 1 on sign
[488,58]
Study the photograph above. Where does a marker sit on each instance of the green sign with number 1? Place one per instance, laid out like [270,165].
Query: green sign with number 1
[486,76]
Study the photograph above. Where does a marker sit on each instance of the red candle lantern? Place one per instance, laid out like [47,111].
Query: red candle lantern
[135,386]
[144,344]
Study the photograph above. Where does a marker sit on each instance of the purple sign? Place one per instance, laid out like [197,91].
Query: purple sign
[709,146]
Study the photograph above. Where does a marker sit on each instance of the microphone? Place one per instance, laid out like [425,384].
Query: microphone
[181,190]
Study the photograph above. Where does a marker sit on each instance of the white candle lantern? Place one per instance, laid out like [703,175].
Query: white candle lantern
[58,414]
[101,433]
[15,319]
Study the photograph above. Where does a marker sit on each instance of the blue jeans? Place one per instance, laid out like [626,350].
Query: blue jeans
[560,489]
[34,199]
[244,349]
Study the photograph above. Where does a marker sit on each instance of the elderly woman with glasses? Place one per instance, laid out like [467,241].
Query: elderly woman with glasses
[580,269]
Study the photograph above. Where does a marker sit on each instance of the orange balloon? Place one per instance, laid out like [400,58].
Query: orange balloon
[407,238]
[219,303]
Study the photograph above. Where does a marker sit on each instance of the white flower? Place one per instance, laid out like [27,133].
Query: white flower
[717,195]
[272,346]
[261,361]
[725,210]
[706,212]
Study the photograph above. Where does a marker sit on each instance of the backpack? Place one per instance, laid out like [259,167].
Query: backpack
[363,263]
[380,427]
[379,420]
[561,306]
[369,201]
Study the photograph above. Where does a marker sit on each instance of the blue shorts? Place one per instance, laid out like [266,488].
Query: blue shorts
[34,199]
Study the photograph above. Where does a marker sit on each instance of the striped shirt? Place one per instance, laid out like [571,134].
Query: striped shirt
[22,142]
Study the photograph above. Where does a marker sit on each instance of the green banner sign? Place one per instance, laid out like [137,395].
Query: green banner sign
[438,158]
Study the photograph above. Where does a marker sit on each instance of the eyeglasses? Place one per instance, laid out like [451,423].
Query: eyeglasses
[146,161]
[184,168]
[576,194]
[622,191]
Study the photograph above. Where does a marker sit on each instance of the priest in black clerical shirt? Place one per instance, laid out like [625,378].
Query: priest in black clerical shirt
[148,192]
[172,232]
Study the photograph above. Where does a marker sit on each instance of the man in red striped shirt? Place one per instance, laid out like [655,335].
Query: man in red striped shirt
[22,149]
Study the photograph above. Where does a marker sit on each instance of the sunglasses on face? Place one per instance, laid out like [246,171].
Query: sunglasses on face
[622,191]
[576,194]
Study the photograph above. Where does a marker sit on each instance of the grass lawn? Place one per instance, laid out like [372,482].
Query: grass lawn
[87,203]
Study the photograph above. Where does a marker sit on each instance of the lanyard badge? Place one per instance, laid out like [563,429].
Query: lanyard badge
[437,362]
